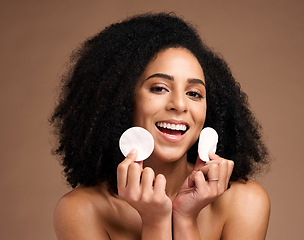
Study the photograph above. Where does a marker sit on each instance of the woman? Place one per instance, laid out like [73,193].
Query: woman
[153,71]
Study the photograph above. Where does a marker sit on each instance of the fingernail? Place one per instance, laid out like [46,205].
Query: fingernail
[211,152]
[133,151]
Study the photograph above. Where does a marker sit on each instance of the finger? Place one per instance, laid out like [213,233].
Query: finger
[160,184]
[133,176]
[223,173]
[217,159]
[205,169]
[213,175]
[191,179]
[199,181]
[147,180]
[213,156]
[122,169]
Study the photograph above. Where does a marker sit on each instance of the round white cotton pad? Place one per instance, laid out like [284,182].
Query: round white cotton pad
[207,141]
[138,138]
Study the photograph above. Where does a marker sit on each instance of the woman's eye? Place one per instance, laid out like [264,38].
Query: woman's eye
[195,95]
[157,89]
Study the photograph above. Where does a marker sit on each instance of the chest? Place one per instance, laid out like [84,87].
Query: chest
[125,223]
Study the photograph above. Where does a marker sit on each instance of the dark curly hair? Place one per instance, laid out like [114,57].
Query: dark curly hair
[96,101]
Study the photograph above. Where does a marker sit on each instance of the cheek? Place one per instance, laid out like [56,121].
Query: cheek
[143,110]
[200,115]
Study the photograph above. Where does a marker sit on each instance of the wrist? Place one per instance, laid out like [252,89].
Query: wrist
[185,227]
[184,221]
[157,229]
[156,223]
[188,218]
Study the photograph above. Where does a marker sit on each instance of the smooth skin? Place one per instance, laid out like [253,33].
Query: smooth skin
[165,197]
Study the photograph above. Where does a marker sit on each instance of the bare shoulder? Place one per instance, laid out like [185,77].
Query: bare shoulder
[248,211]
[79,214]
[248,192]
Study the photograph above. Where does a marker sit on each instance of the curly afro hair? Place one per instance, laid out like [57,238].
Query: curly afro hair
[96,101]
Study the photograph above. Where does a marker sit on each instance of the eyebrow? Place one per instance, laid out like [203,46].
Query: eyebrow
[161,75]
[169,77]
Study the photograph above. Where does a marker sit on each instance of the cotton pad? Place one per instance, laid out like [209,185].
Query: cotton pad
[138,138]
[207,141]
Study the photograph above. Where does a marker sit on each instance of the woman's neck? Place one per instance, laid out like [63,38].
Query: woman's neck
[175,172]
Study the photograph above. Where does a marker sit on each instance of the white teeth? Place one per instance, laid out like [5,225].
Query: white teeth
[172,126]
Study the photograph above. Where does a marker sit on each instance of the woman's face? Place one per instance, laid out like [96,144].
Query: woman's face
[170,102]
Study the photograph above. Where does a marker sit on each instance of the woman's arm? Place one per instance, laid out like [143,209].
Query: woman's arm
[146,193]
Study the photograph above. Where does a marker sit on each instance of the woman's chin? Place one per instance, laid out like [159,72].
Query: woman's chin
[168,156]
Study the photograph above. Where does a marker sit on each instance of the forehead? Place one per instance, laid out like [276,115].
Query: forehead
[175,61]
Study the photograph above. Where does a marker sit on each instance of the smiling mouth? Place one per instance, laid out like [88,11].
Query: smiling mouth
[171,128]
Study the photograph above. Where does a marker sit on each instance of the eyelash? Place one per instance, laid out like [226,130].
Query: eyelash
[197,95]
[192,94]
[157,89]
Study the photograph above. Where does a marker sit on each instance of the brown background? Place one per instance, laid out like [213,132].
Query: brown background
[261,40]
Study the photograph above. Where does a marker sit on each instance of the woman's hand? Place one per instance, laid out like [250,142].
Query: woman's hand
[206,183]
[146,193]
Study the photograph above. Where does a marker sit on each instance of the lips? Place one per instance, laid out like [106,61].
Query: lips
[173,127]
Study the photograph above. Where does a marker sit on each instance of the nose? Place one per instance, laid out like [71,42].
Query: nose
[177,102]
